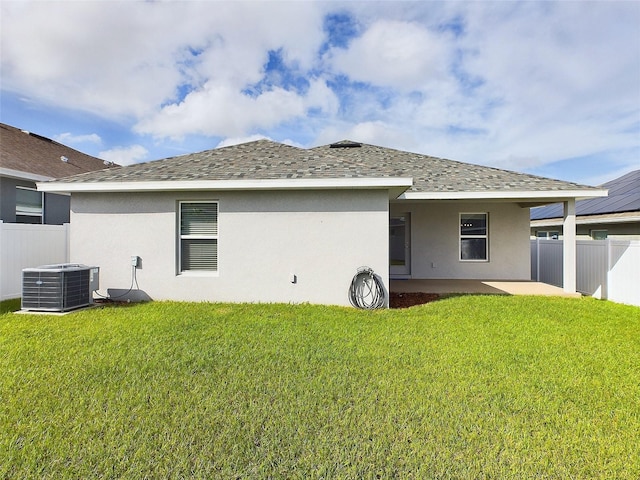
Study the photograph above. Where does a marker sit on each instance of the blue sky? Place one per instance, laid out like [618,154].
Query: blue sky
[551,88]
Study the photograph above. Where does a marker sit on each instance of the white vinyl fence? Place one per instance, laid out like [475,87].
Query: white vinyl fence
[23,246]
[607,269]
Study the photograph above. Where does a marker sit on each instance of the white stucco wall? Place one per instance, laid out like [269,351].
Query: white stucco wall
[321,237]
[435,241]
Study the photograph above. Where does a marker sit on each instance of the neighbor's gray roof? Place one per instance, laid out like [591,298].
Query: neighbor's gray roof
[264,159]
[31,153]
[624,196]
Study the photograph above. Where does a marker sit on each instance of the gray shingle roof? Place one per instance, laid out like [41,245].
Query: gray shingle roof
[624,196]
[264,159]
[257,160]
[432,174]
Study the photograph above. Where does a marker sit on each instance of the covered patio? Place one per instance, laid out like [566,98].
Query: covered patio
[508,287]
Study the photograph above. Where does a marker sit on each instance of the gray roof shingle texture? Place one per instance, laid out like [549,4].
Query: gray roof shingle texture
[264,159]
[31,153]
[432,174]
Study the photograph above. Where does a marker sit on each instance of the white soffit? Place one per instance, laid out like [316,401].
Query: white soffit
[550,195]
[397,184]
[34,177]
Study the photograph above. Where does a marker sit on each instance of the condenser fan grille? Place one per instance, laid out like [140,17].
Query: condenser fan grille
[57,287]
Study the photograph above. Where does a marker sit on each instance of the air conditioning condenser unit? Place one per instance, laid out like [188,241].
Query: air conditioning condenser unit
[59,288]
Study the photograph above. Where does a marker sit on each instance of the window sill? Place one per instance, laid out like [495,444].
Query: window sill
[192,274]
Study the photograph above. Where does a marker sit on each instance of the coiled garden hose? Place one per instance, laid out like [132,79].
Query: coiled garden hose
[366,290]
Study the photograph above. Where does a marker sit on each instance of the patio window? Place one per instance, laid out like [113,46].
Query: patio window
[198,234]
[474,237]
[29,205]
[553,235]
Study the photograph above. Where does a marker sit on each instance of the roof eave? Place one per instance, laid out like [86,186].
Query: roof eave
[547,196]
[20,175]
[395,185]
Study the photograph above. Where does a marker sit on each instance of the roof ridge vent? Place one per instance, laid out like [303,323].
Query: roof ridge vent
[40,137]
[345,144]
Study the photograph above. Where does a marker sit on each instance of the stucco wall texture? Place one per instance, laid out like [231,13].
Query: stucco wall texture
[265,238]
[435,240]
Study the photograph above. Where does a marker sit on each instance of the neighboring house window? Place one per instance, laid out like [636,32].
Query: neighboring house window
[599,234]
[474,237]
[198,236]
[552,235]
[29,207]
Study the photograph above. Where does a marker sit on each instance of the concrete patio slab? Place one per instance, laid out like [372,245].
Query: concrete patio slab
[502,287]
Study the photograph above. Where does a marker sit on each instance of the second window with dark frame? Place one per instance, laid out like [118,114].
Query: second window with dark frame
[198,236]
[474,237]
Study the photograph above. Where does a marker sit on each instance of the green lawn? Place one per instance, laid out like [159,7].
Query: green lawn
[466,387]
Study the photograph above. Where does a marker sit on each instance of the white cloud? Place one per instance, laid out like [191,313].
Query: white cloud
[515,84]
[322,97]
[89,55]
[227,142]
[169,79]
[533,83]
[397,54]
[292,143]
[561,75]
[125,155]
[220,110]
[71,139]
[128,58]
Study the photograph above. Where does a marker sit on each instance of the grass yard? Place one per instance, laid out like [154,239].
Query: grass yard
[465,387]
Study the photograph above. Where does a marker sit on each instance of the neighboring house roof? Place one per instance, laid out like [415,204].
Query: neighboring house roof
[624,196]
[34,157]
[346,164]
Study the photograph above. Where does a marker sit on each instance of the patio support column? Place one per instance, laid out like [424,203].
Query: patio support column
[569,247]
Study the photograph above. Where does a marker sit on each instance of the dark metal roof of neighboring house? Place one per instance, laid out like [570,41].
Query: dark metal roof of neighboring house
[624,196]
[265,159]
[34,154]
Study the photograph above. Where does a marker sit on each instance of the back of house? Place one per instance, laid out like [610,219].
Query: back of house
[268,222]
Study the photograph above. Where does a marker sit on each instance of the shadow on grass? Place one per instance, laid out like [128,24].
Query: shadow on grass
[413,299]
[15,304]
[12,305]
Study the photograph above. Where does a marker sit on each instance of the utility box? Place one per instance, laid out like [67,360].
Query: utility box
[59,288]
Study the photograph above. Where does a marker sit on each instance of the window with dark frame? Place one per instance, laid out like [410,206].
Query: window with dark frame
[474,237]
[29,205]
[600,234]
[198,232]
[554,235]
